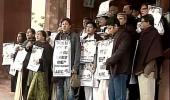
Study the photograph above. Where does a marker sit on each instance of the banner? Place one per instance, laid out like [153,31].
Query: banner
[88,49]
[156,12]
[103,53]
[12,70]
[36,54]
[8,53]
[62,58]
[85,73]
[18,62]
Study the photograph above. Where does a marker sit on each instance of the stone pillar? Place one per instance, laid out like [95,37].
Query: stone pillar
[164,82]
[1,27]
[55,10]
[15,16]
[165,5]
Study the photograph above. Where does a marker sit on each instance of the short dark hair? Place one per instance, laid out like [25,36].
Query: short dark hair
[66,19]
[148,18]
[145,4]
[87,18]
[92,23]
[113,21]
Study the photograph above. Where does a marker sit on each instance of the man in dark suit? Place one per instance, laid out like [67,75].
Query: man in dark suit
[120,61]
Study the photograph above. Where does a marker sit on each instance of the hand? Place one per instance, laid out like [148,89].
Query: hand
[17,48]
[29,44]
[74,71]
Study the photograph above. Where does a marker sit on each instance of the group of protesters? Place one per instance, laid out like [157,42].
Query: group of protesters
[138,51]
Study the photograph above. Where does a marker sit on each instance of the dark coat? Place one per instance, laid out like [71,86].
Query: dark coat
[149,49]
[120,61]
[25,71]
[46,59]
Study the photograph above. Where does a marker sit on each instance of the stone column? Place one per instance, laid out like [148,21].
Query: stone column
[15,16]
[164,82]
[1,27]
[55,10]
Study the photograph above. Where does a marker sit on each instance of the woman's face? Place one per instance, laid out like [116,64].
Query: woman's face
[39,37]
[19,38]
[29,34]
[65,26]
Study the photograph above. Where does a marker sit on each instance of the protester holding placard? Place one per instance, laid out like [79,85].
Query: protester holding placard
[30,35]
[65,84]
[21,37]
[90,85]
[119,62]
[40,83]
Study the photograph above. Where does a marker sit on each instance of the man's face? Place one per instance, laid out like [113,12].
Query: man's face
[144,10]
[90,29]
[113,10]
[144,24]
[127,9]
[65,26]
[102,21]
[111,30]
[122,19]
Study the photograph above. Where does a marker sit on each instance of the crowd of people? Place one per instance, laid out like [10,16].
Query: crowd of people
[138,52]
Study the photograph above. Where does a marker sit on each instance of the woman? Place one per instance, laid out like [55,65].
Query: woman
[21,37]
[39,87]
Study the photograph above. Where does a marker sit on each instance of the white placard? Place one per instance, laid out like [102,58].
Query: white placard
[103,8]
[104,52]
[88,49]
[36,54]
[12,70]
[62,58]
[156,12]
[52,38]
[18,62]
[85,73]
[87,76]
[8,52]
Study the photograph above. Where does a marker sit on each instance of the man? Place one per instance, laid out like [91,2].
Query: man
[83,33]
[119,62]
[91,90]
[75,60]
[102,20]
[149,50]
[113,10]
[128,9]
[133,88]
